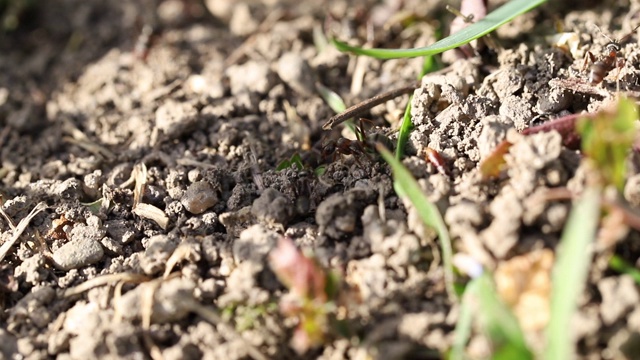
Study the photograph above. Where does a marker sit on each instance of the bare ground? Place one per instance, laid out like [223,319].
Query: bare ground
[161,160]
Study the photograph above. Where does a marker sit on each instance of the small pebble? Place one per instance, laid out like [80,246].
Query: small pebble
[78,253]
[199,197]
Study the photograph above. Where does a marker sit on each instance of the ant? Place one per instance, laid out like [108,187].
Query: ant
[609,59]
[363,145]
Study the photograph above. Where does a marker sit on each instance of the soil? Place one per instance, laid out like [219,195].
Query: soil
[157,159]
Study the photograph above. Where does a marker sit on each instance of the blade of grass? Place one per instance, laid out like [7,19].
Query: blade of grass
[465,320]
[499,323]
[404,131]
[335,102]
[492,21]
[570,273]
[429,65]
[406,186]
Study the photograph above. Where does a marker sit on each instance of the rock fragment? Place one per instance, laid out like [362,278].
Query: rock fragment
[199,197]
[78,253]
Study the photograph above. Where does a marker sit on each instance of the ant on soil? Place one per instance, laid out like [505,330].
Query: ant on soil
[611,58]
[363,145]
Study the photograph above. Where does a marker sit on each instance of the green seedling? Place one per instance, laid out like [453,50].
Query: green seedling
[492,21]
[474,31]
[336,103]
[570,272]
[407,187]
[620,265]
[498,322]
[607,139]
[312,296]
[97,205]
[481,302]
[11,11]
[294,162]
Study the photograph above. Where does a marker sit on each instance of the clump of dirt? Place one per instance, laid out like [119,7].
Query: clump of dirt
[152,131]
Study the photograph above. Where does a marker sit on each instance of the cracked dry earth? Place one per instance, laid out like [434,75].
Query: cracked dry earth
[156,170]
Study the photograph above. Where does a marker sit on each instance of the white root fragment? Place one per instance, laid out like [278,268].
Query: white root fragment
[4,249]
[151,212]
[104,280]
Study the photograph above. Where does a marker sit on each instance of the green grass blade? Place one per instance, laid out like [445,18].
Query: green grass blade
[332,99]
[499,323]
[570,273]
[406,186]
[492,21]
[429,65]
[496,320]
[465,320]
[404,131]
[335,102]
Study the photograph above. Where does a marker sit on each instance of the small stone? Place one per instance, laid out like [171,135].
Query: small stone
[199,197]
[78,253]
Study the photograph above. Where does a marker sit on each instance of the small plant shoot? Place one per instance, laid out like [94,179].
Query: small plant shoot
[607,139]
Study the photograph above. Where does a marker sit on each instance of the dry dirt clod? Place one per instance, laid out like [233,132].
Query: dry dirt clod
[252,76]
[171,301]
[619,296]
[273,208]
[294,70]
[158,250]
[174,118]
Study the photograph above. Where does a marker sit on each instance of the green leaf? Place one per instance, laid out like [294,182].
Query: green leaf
[499,323]
[404,131]
[618,264]
[335,102]
[465,320]
[332,99]
[492,21]
[406,186]
[607,139]
[570,273]
[294,161]
[429,65]
[496,321]
[94,206]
